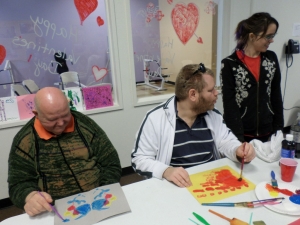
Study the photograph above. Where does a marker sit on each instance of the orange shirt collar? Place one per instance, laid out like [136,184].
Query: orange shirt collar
[46,135]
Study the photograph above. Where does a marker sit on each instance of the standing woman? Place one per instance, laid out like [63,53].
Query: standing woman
[250,80]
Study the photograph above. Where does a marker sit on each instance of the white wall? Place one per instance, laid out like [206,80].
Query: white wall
[122,125]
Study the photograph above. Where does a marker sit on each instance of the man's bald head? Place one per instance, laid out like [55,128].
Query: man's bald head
[52,109]
[49,98]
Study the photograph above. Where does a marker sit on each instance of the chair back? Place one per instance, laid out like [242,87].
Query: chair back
[19,89]
[30,85]
[68,77]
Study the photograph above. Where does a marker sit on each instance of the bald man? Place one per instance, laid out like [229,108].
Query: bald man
[58,153]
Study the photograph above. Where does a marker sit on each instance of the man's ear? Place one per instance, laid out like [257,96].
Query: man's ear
[192,94]
[35,112]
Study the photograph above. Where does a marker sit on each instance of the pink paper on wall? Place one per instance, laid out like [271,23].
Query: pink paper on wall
[25,106]
[97,96]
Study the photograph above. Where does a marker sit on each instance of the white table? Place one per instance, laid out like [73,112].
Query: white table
[156,202]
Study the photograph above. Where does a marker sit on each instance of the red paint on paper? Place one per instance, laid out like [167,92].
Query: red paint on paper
[198,190]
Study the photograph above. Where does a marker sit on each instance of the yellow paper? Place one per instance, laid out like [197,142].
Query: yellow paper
[217,184]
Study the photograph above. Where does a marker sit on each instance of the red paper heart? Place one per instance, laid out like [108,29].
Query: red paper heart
[185,20]
[100,21]
[2,54]
[85,8]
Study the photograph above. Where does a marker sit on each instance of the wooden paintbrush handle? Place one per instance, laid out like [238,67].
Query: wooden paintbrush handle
[220,215]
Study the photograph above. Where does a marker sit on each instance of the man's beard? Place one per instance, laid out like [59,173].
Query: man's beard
[202,106]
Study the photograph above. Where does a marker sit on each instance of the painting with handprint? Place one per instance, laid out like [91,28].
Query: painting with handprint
[92,206]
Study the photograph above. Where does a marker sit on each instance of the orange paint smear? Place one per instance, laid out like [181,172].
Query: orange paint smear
[273,191]
[198,190]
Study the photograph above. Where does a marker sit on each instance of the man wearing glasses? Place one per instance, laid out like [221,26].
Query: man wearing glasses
[185,131]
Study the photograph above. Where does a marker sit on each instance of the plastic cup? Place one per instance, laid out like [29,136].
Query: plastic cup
[288,167]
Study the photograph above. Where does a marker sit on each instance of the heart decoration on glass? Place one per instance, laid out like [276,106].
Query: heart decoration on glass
[99,73]
[100,21]
[185,19]
[2,54]
[85,8]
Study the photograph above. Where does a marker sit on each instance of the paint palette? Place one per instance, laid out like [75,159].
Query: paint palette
[287,207]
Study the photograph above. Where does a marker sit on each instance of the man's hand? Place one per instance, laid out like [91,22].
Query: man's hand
[248,153]
[178,176]
[36,203]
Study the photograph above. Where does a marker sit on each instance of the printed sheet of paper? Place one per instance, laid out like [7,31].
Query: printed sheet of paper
[217,184]
[91,207]
[9,109]
[25,106]
[74,96]
[97,96]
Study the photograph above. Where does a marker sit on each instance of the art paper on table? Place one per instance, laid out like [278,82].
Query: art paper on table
[9,109]
[97,96]
[217,184]
[75,98]
[92,206]
[25,106]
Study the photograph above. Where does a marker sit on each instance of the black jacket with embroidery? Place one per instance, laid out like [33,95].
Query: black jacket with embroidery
[251,107]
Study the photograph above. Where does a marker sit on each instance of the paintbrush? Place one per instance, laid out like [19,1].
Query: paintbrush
[242,164]
[233,221]
[53,208]
[273,180]
[271,201]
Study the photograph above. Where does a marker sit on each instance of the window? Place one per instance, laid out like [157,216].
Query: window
[166,35]
[39,40]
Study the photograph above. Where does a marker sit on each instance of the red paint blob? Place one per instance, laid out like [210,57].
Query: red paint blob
[198,190]
[209,189]
[75,212]
[108,196]
[201,196]
[71,208]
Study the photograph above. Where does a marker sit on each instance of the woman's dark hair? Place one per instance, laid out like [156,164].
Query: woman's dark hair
[257,23]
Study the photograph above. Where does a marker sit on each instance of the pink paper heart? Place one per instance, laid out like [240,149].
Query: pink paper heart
[99,73]
[2,54]
[185,20]
[85,8]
